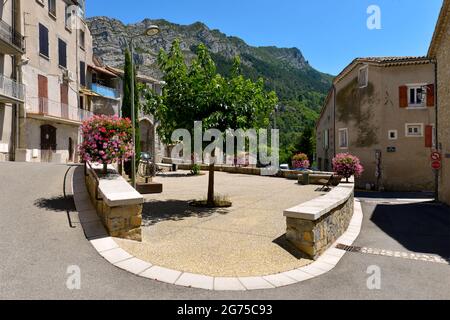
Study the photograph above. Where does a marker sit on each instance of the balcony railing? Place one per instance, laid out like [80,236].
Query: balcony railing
[8,34]
[105,91]
[11,89]
[59,110]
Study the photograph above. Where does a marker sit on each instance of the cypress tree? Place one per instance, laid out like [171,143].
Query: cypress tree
[126,106]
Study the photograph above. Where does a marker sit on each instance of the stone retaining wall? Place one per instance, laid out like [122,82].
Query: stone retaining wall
[228,169]
[314,226]
[315,176]
[118,205]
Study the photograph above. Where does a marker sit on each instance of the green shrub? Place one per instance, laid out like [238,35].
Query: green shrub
[195,171]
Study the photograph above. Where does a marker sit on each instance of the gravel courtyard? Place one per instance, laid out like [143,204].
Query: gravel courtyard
[245,240]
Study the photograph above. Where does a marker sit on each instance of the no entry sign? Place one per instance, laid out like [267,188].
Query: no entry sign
[436,165]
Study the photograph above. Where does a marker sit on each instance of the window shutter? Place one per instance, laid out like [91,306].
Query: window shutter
[42,86]
[43,41]
[429,137]
[43,94]
[62,52]
[430,95]
[83,73]
[403,93]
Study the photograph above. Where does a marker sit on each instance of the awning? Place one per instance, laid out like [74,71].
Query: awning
[88,92]
[102,70]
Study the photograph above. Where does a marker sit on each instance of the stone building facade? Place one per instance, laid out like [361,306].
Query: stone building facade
[440,52]
[59,49]
[12,91]
[383,111]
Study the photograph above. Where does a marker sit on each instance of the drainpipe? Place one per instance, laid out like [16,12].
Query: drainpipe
[334,121]
[438,147]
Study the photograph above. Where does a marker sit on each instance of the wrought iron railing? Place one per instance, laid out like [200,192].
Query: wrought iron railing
[58,110]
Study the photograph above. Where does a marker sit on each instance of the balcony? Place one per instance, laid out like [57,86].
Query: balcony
[11,91]
[105,91]
[60,112]
[11,42]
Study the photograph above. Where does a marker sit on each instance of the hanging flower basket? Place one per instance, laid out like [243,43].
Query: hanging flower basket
[300,161]
[347,165]
[106,140]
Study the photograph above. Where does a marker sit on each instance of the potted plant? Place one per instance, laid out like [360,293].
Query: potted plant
[347,165]
[300,162]
[106,140]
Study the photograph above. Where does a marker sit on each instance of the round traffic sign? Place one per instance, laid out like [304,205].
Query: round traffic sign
[436,156]
[436,165]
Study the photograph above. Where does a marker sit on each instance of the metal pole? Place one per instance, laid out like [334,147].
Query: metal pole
[133,119]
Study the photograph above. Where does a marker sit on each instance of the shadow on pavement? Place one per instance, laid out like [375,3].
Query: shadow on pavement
[420,227]
[394,195]
[57,204]
[175,210]
[283,243]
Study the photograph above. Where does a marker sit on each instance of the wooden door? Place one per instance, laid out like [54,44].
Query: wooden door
[48,142]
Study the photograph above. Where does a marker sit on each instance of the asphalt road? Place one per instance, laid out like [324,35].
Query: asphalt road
[38,245]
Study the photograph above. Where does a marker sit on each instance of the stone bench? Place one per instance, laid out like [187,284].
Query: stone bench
[314,226]
[320,179]
[117,203]
[315,177]
[225,168]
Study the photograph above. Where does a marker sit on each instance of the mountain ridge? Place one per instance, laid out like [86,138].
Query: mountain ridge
[258,61]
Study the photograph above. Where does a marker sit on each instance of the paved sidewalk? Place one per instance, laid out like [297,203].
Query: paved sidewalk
[37,245]
[244,240]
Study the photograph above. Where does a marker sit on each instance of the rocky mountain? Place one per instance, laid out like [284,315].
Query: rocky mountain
[285,69]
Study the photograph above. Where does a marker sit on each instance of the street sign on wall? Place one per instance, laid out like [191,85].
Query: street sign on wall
[436,156]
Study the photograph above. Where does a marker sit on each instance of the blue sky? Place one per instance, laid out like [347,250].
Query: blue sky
[330,33]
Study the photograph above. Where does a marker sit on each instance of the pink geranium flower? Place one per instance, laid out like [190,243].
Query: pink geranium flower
[106,140]
[347,165]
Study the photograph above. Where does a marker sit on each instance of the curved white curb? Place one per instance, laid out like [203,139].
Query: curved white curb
[109,249]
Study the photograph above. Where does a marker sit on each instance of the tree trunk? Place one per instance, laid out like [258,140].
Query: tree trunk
[211,185]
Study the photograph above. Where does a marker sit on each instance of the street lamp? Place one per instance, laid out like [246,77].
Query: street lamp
[149,32]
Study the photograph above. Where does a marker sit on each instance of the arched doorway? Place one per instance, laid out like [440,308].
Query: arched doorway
[147,136]
[48,142]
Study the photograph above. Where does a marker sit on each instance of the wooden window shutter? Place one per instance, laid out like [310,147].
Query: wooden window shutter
[43,41]
[83,73]
[65,94]
[428,136]
[62,53]
[42,86]
[403,93]
[43,94]
[431,95]
[64,101]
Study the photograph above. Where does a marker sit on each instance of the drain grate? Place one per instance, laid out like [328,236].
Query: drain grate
[395,254]
[349,248]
